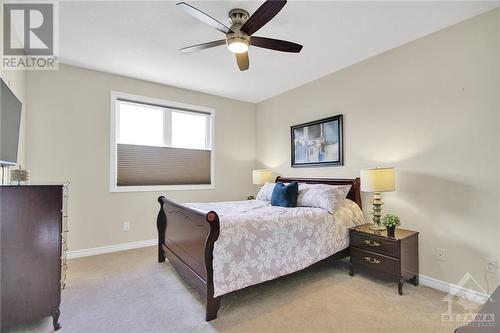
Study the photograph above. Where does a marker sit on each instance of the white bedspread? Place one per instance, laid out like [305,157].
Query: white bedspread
[260,242]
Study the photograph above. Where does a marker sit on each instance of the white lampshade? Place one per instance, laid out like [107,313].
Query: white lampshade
[262,176]
[378,180]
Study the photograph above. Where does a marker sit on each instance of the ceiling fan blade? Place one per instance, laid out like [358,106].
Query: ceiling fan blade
[242,60]
[199,47]
[262,15]
[275,44]
[203,17]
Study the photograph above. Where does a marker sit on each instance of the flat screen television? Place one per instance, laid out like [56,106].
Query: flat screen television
[10,125]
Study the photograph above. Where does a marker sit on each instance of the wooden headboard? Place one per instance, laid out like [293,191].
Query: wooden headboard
[354,194]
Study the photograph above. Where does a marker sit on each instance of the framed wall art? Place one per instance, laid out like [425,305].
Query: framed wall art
[318,143]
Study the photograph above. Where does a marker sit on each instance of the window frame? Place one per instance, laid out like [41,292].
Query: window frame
[114,125]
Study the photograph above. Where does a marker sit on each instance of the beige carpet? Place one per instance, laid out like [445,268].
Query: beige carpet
[129,292]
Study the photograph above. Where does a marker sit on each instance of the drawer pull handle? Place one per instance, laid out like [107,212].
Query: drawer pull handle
[372,261]
[371,243]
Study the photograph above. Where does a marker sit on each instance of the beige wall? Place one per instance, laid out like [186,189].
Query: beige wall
[68,139]
[431,109]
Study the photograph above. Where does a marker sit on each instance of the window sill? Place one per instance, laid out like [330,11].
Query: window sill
[159,188]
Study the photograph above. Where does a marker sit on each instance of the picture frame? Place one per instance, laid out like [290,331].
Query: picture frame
[318,143]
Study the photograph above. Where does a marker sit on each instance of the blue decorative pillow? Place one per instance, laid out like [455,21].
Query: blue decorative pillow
[285,196]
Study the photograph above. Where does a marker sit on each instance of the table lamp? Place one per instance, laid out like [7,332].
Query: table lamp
[377,180]
[262,176]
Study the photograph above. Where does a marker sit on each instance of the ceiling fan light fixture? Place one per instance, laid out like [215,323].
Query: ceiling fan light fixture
[238,45]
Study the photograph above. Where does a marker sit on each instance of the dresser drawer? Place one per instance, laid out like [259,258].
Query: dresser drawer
[374,261]
[373,243]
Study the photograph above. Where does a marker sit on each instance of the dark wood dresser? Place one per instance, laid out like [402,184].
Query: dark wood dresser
[33,245]
[374,251]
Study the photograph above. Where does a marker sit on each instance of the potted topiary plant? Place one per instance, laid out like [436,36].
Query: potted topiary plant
[390,221]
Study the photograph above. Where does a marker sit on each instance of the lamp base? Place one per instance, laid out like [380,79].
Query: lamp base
[376,227]
[377,212]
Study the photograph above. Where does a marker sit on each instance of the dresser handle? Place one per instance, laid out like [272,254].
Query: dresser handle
[369,242]
[372,261]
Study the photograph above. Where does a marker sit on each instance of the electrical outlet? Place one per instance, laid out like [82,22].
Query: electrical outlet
[440,254]
[126,226]
[491,265]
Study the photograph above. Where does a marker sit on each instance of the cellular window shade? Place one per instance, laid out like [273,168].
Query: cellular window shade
[148,165]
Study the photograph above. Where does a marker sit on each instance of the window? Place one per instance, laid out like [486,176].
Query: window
[140,124]
[159,145]
[189,130]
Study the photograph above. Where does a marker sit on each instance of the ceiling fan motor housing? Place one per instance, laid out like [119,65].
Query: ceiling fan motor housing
[237,17]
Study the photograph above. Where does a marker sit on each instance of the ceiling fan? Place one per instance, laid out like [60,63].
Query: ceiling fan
[239,36]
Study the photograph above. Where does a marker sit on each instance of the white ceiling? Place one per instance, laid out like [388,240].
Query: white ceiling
[141,39]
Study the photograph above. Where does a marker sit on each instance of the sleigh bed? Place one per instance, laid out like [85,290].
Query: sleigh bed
[187,235]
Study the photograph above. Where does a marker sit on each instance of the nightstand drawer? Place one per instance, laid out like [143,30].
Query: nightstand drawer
[375,244]
[372,260]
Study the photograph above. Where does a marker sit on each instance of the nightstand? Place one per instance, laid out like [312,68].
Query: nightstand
[396,257]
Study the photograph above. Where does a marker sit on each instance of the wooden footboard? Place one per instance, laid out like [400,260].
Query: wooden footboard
[186,237]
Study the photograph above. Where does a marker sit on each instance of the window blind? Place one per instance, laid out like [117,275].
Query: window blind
[149,165]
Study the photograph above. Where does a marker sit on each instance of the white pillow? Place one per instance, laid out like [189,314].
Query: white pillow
[266,192]
[321,195]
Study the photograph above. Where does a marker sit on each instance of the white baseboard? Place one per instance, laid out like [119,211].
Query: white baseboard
[111,248]
[453,289]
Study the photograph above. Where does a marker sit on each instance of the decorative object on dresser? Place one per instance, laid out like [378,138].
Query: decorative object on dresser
[33,232]
[318,143]
[19,175]
[396,257]
[377,180]
[193,256]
